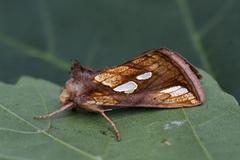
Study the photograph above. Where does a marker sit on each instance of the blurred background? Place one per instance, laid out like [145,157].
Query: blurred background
[38,38]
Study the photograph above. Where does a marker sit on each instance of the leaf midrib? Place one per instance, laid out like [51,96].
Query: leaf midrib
[206,153]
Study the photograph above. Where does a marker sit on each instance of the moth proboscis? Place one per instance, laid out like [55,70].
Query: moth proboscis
[158,78]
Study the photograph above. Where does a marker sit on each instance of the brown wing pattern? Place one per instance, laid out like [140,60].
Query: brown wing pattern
[157,78]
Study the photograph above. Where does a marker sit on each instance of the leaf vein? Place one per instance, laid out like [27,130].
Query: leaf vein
[197,137]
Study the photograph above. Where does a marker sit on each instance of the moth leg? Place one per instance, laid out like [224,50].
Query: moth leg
[104,115]
[107,110]
[97,109]
[57,111]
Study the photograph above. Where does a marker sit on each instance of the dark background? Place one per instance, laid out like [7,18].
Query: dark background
[38,38]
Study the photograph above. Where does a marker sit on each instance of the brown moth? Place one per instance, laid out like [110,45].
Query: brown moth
[158,78]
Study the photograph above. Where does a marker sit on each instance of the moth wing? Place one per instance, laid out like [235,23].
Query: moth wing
[156,78]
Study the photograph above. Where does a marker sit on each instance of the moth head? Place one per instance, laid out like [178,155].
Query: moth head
[80,83]
[69,93]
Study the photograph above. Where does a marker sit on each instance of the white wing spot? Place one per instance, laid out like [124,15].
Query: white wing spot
[171,89]
[175,91]
[127,88]
[144,76]
[179,92]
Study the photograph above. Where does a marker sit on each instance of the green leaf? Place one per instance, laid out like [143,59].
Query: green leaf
[208,131]
[38,37]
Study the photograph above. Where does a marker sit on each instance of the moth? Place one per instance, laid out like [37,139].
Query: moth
[158,78]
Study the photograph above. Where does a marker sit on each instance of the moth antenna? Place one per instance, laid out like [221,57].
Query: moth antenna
[57,111]
[104,115]
[72,61]
[76,67]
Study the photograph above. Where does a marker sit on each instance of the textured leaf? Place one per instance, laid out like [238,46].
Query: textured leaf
[208,131]
[38,38]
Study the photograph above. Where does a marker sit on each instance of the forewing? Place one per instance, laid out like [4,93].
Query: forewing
[157,78]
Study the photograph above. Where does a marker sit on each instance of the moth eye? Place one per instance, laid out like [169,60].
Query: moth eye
[127,88]
[144,76]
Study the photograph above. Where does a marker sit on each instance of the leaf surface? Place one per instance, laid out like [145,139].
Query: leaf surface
[38,38]
[208,131]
